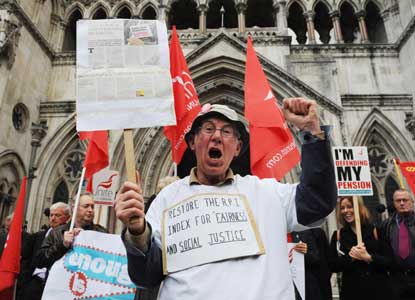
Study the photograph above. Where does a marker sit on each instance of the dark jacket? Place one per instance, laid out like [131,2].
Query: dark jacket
[317,273]
[386,230]
[52,247]
[360,280]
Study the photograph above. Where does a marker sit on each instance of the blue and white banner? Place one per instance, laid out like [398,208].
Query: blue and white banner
[95,269]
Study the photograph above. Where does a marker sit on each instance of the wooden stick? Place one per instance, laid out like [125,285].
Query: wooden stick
[398,172]
[75,207]
[99,215]
[130,161]
[357,220]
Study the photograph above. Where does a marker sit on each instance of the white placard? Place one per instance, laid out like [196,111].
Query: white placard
[123,75]
[297,269]
[352,171]
[105,185]
[206,228]
[94,268]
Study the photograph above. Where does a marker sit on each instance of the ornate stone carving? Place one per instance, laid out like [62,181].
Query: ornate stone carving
[71,165]
[9,36]
[410,124]
[39,131]
[380,161]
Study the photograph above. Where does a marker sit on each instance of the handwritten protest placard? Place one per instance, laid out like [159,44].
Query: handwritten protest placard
[206,228]
[352,171]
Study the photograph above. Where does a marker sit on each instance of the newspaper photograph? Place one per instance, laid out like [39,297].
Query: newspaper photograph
[123,68]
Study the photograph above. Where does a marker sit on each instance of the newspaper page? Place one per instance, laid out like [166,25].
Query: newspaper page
[123,75]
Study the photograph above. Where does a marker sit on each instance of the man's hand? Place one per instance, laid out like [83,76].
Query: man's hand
[301,248]
[302,113]
[69,237]
[129,207]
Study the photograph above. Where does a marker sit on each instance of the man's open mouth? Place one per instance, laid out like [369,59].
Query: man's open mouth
[215,153]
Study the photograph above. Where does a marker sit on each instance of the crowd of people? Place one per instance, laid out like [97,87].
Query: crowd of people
[41,249]
[381,267]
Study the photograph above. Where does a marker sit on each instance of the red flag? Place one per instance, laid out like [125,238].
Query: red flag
[273,151]
[10,259]
[96,155]
[186,101]
[408,170]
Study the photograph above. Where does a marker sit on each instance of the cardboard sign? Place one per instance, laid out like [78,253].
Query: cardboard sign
[105,184]
[206,228]
[94,268]
[352,171]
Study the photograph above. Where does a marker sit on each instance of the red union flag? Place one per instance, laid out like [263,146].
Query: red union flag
[186,101]
[10,259]
[96,157]
[273,151]
[408,170]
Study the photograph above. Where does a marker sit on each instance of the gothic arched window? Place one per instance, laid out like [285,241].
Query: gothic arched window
[323,22]
[297,22]
[184,15]
[374,23]
[61,193]
[349,24]
[99,14]
[149,13]
[69,42]
[124,13]
[259,13]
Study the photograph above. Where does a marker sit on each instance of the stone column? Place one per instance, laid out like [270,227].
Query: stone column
[362,26]
[202,9]
[281,16]
[39,131]
[335,17]
[240,8]
[54,31]
[36,10]
[309,16]
[164,13]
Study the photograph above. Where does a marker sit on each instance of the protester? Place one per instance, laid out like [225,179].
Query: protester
[217,136]
[364,269]
[34,283]
[60,239]
[398,232]
[5,232]
[315,247]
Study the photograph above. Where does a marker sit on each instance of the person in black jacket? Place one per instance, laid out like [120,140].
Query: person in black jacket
[60,240]
[60,214]
[314,245]
[364,269]
[398,236]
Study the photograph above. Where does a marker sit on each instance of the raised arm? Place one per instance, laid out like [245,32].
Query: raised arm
[316,194]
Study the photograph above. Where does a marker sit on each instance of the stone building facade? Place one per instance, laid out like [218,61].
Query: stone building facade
[354,57]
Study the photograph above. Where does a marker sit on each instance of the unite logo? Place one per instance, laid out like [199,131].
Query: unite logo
[189,90]
[107,183]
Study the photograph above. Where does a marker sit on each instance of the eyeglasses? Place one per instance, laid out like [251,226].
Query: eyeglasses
[227,131]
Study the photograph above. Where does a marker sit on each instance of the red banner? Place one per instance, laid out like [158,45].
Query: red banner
[408,170]
[10,259]
[186,101]
[273,151]
[96,157]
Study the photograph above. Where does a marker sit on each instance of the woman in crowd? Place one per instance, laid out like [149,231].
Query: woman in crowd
[364,269]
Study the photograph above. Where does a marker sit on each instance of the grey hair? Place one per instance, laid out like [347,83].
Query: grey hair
[9,217]
[66,208]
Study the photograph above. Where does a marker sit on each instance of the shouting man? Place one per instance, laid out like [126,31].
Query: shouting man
[217,136]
